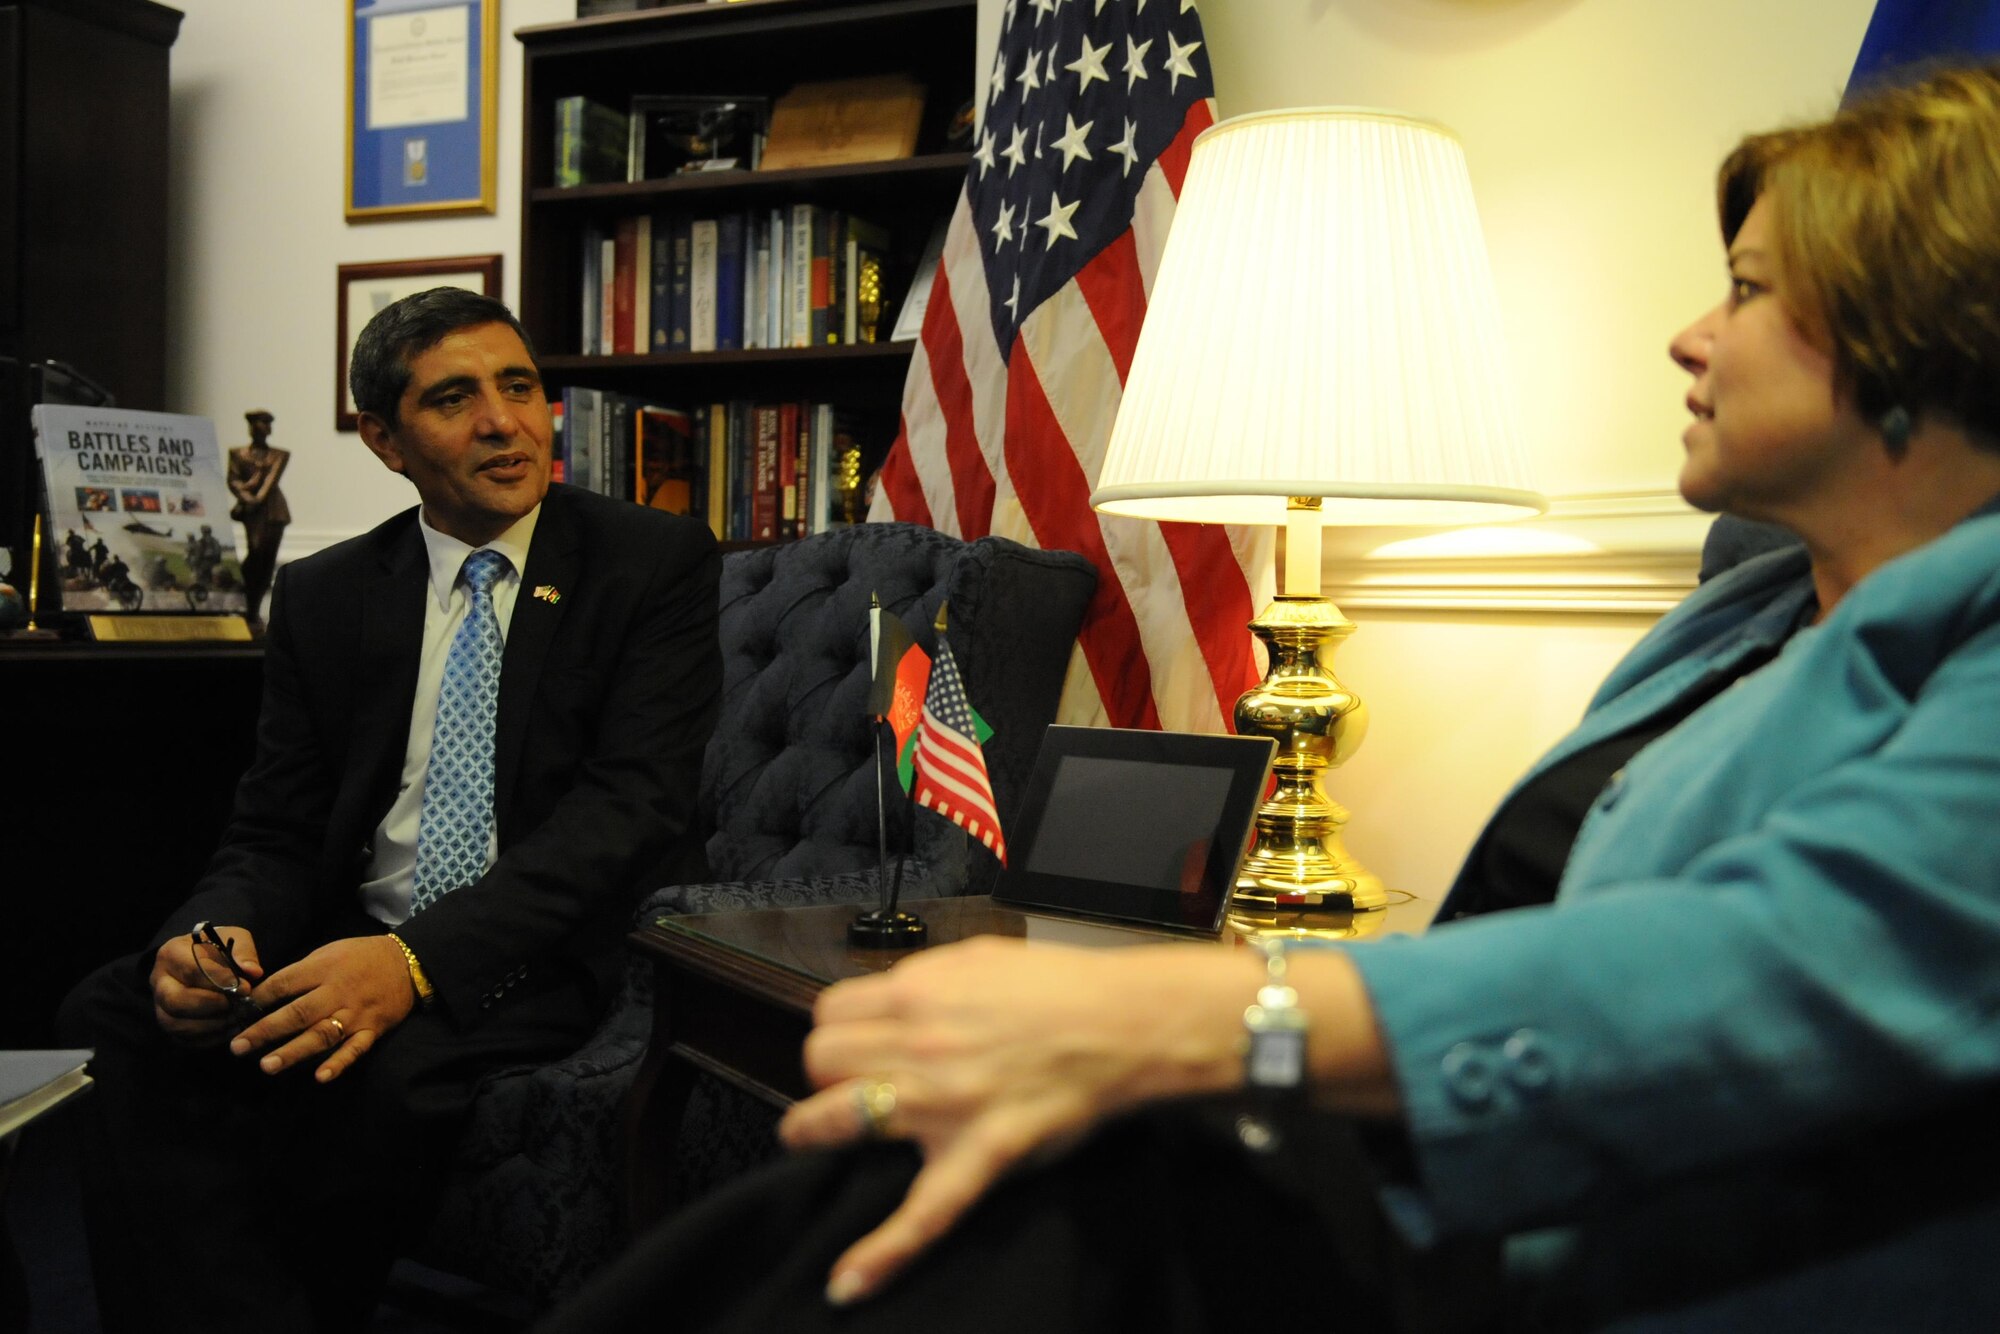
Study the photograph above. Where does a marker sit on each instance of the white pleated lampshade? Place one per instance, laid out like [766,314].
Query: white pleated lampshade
[1323,323]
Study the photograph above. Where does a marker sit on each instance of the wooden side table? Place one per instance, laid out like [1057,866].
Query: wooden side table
[733,995]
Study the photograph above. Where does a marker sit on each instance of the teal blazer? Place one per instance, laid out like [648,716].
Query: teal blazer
[1778,934]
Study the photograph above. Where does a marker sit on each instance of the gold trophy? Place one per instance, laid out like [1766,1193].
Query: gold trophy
[868,298]
[848,484]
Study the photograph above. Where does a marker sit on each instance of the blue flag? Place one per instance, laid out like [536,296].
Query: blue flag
[1903,31]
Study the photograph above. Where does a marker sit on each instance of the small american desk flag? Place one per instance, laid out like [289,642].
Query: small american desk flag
[951,774]
[1090,113]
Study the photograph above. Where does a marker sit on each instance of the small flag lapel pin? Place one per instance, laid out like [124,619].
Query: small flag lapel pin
[547,593]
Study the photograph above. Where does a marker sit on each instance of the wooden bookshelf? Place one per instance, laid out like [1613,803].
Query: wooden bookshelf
[83,218]
[748,48]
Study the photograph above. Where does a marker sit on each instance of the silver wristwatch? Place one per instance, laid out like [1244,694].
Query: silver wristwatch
[1274,1059]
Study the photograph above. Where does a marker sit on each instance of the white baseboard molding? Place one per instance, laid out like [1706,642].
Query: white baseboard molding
[1626,552]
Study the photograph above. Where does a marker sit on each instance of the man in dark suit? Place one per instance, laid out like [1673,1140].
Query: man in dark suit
[481,735]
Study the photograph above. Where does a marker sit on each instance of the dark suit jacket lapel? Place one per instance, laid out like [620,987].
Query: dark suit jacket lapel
[392,635]
[554,561]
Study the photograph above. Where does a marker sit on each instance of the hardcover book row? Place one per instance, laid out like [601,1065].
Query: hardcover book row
[757,472]
[798,276]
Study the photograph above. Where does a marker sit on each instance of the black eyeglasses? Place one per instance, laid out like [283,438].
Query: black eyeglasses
[236,986]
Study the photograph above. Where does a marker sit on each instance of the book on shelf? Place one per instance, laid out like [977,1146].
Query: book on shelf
[666,470]
[580,408]
[558,466]
[729,282]
[806,221]
[624,283]
[136,510]
[834,121]
[777,328]
[680,317]
[590,142]
[642,284]
[756,265]
[670,134]
[617,429]
[820,470]
[660,299]
[36,1081]
[820,277]
[802,466]
[742,469]
[607,296]
[788,470]
[703,241]
[829,330]
[591,288]
[712,437]
[764,499]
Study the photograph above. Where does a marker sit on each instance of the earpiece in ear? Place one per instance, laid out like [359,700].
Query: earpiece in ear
[1895,426]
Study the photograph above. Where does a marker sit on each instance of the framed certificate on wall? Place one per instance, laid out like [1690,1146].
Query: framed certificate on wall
[422,101]
[366,288]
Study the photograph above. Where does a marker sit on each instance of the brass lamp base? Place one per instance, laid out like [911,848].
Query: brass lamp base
[1324,922]
[1299,862]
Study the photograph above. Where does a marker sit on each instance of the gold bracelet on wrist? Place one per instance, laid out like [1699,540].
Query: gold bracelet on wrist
[417,978]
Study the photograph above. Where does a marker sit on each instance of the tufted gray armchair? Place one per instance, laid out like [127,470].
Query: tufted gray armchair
[787,790]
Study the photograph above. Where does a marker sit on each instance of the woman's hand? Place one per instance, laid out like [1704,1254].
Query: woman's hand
[997,1051]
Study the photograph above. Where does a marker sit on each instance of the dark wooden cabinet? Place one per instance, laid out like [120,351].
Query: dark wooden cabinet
[118,764]
[120,771]
[83,213]
[755,47]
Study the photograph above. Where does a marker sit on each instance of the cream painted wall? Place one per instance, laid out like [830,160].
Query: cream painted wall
[256,235]
[1458,708]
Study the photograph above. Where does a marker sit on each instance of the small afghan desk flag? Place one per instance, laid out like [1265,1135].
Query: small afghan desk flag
[951,774]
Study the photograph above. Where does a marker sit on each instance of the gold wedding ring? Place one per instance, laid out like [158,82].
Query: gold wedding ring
[875,1100]
[339,1030]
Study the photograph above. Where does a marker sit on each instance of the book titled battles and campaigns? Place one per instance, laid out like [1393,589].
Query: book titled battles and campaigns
[137,511]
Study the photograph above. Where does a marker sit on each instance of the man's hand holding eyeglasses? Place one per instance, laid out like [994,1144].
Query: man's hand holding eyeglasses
[187,1002]
[334,1004]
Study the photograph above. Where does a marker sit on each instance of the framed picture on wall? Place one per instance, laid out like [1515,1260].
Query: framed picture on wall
[422,104]
[367,288]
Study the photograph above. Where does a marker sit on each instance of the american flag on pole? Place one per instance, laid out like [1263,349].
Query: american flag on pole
[950,768]
[1090,112]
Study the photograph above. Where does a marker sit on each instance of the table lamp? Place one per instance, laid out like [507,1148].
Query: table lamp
[1322,346]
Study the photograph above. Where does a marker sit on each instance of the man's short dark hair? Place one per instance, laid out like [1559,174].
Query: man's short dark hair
[399,333]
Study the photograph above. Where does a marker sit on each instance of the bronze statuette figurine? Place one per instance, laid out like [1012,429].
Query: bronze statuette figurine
[260,507]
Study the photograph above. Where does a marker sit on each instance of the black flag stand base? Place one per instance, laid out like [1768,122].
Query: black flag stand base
[885,928]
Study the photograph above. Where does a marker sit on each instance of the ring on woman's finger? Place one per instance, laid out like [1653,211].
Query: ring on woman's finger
[339,1030]
[875,1101]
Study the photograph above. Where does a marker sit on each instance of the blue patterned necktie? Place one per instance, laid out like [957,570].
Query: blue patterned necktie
[456,825]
